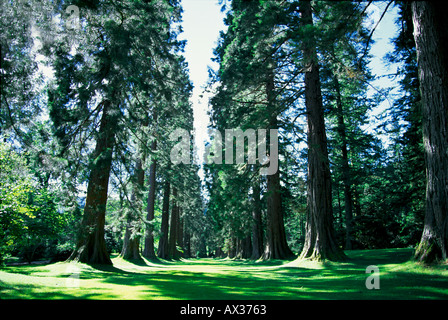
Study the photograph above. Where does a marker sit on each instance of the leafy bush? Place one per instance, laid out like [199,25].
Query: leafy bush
[15,186]
[32,226]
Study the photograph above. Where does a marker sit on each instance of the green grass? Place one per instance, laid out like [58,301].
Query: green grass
[400,278]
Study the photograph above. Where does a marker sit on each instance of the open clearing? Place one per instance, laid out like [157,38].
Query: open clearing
[216,279]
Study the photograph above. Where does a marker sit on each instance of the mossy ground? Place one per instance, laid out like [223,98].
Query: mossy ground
[224,279]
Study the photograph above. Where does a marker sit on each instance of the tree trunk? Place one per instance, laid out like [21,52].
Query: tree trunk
[257,228]
[338,218]
[162,251]
[180,231]
[356,201]
[431,39]
[346,179]
[218,254]
[131,241]
[246,247]
[91,245]
[173,253]
[186,241]
[149,251]
[319,236]
[131,245]
[232,246]
[276,246]
[203,248]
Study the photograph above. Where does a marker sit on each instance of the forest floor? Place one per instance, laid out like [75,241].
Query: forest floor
[216,279]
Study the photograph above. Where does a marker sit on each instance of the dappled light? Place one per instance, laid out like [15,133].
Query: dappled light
[219,279]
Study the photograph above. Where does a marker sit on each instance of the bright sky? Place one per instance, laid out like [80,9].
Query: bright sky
[382,36]
[202,22]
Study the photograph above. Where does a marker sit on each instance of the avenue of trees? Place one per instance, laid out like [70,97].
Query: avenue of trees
[92,89]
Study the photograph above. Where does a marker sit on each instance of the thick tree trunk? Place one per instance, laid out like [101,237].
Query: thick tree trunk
[218,254]
[276,245]
[91,245]
[162,251]
[131,246]
[231,252]
[346,177]
[203,248]
[149,251]
[131,241]
[431,39]
[244,248]
[319,237]
[173,253]
[257,228]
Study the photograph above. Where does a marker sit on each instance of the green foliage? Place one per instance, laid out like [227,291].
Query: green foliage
[18,67]
[406,120]
[391,183]
[44,226]
[15,187]
[32,223]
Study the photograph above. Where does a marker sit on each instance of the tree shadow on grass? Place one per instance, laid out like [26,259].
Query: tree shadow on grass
[229,284]
[380,256]
[32,291]
[26,269]
[233,280]
[281,284]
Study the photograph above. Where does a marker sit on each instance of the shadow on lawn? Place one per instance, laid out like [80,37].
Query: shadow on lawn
[214,279]
[304,284]
[380,256]
[261,281]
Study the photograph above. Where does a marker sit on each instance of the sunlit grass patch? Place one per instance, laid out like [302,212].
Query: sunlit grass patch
[400,278]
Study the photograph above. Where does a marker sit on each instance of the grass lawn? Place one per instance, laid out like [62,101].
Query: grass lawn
[226,279]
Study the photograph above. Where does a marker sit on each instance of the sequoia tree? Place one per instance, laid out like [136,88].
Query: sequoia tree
[276,244]
[249,97]
[320,242]
[149,251]
[110,72]
[173,239]
[91,245]
[431,39]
